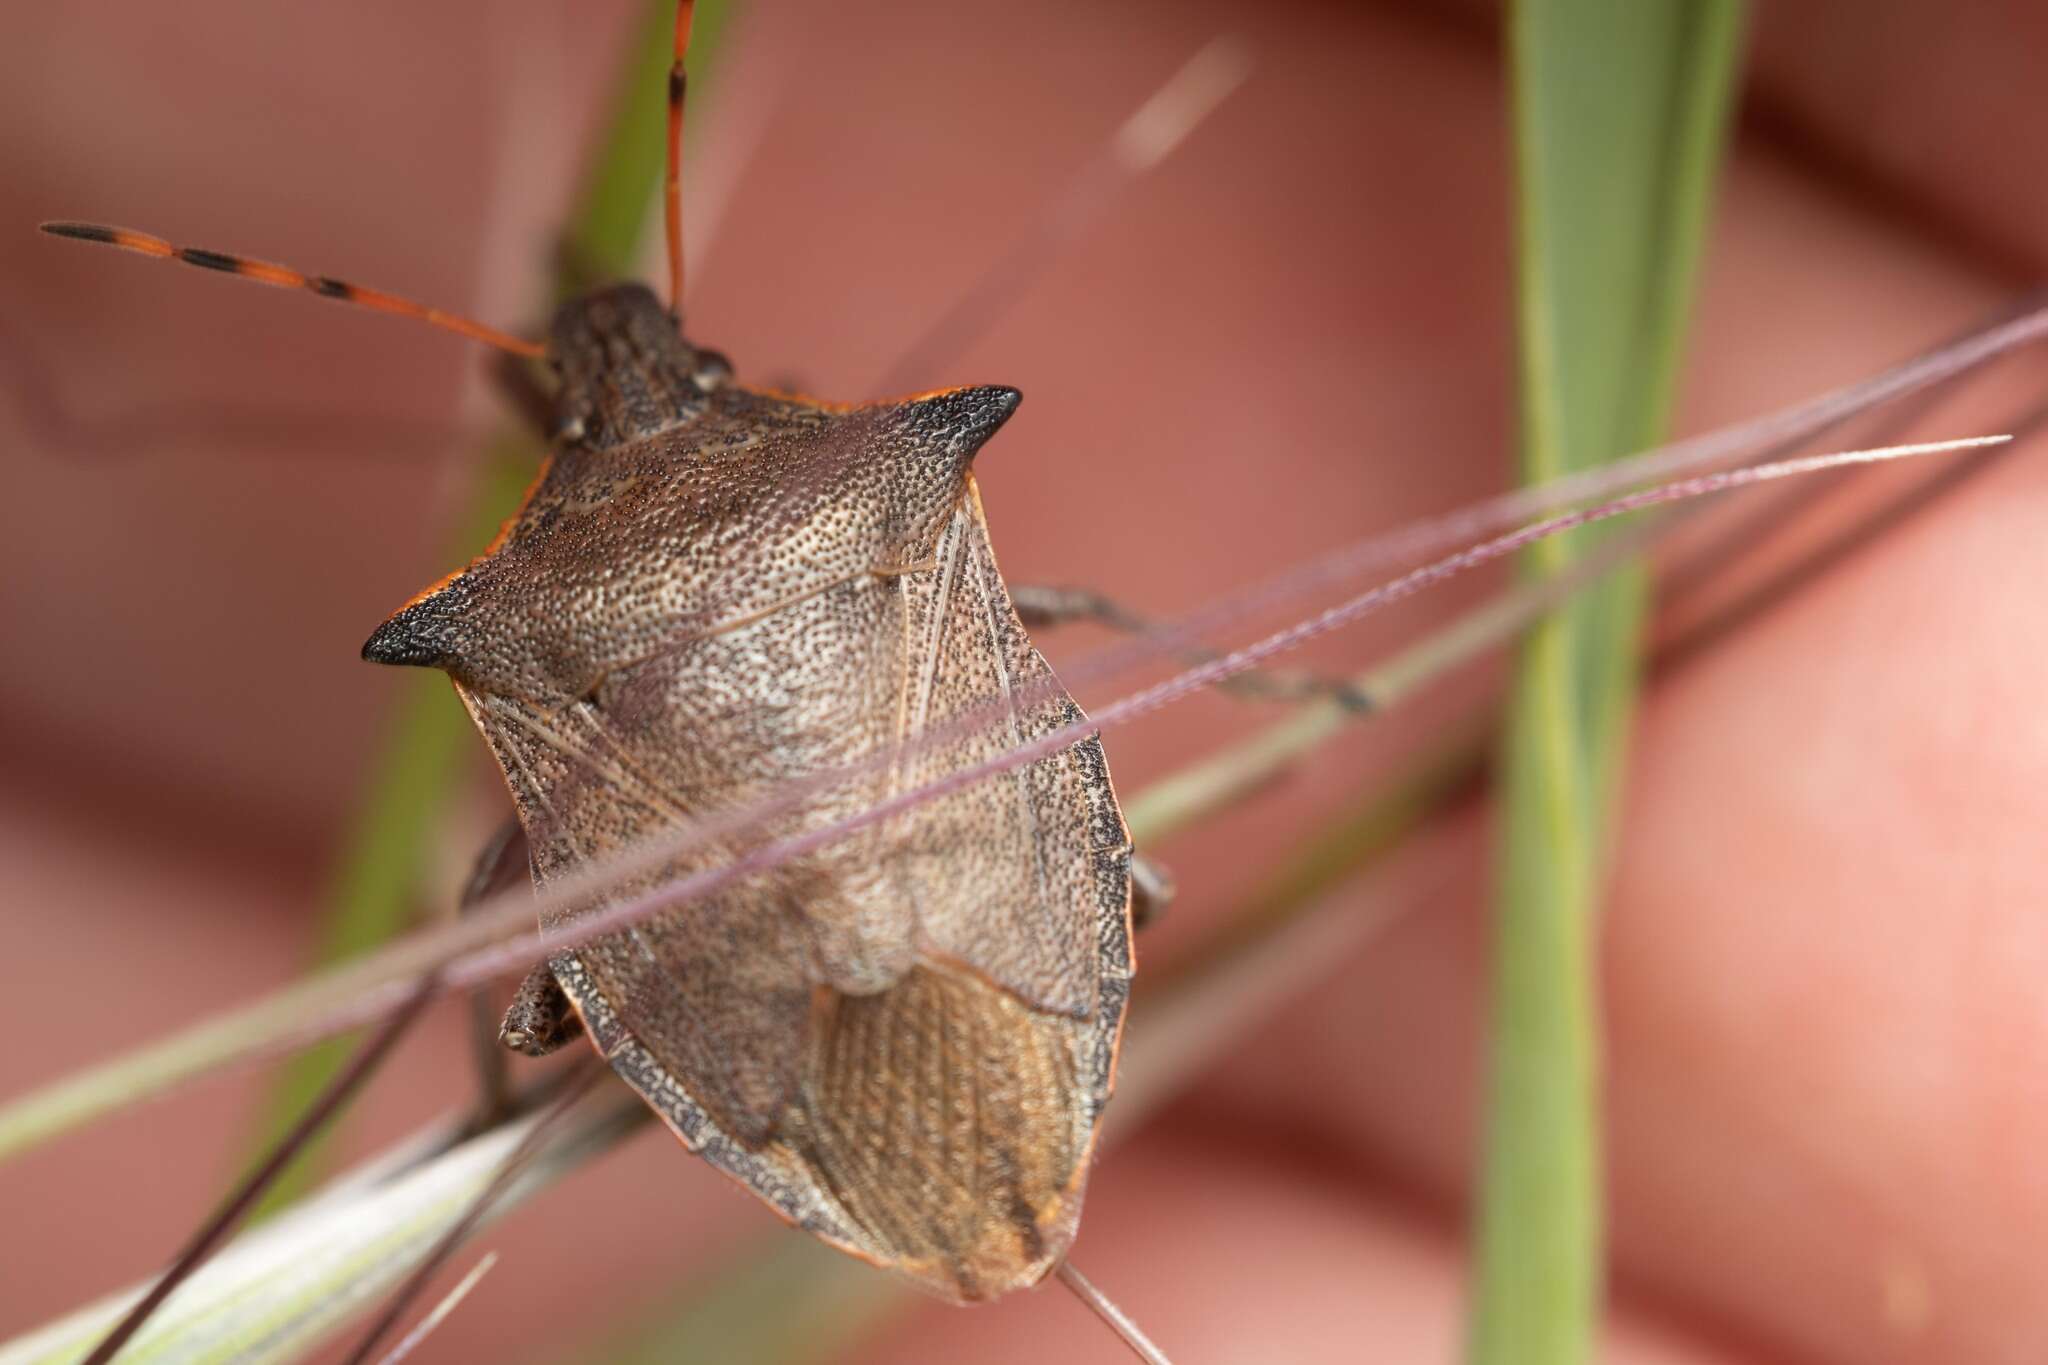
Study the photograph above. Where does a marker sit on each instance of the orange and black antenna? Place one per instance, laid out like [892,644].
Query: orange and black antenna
[678,83]
[284,277]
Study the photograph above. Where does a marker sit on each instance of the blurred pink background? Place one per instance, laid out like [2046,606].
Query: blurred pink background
[1823,1008]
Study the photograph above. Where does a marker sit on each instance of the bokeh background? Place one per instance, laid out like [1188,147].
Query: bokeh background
[1825,946]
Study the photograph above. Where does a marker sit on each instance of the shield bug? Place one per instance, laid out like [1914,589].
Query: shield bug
[903,1042]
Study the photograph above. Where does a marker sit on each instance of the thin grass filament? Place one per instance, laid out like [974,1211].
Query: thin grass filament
[500,938]
[449,950]
[213,1232]
[586,1074]
[424,1328]
[1118,1321]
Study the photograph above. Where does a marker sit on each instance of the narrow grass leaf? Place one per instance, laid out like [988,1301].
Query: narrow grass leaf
[1619,114]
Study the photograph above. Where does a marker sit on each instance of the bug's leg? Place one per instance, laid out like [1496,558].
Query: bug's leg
[500,865]
[1040,605]
[1152,890]
[540,1018]
[1043,604]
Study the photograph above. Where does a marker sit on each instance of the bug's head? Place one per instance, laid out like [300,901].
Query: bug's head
[681,505]
[626,371]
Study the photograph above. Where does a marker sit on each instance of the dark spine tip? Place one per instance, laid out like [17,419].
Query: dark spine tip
[956,421]
[423,635]
[389,646]
[210,260]
[979,409]
[82,232]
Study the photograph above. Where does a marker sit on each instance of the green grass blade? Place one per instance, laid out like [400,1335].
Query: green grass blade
[372,891]
[619,194]
[276,1293]
[1619,114]
[374,888]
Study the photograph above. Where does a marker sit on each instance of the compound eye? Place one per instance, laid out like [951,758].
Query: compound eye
[710,370]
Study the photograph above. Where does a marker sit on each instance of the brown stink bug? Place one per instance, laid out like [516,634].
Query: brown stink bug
[903,1042]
